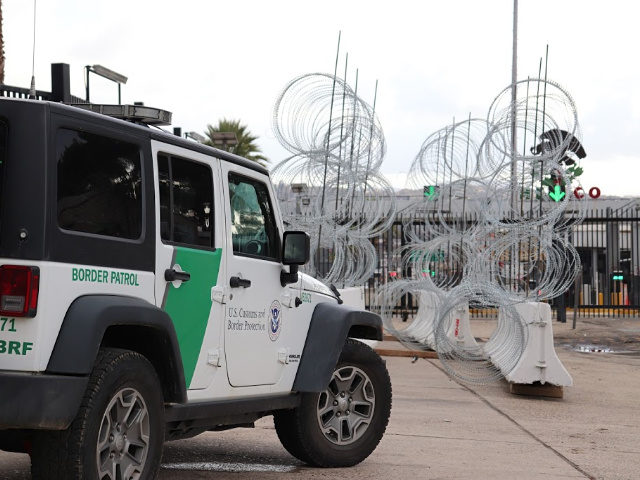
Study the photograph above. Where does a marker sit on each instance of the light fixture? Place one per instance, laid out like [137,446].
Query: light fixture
[224,139]
[132,113]
[298,187]
[195,136]
[108,74]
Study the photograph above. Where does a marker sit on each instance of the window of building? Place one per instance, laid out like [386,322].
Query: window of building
[253,224]
[186,202]
[99,185]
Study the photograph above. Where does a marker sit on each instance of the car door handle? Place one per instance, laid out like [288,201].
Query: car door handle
[235,282]
[171,275]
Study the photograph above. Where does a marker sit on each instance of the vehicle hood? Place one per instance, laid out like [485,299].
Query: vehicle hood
[311,284]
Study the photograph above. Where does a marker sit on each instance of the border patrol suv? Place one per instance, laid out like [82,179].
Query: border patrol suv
[148,292]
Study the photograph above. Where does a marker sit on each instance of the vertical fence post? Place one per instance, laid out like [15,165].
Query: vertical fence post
[604,239]
[576,298]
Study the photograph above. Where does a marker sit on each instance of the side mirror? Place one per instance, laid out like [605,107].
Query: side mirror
[296,247]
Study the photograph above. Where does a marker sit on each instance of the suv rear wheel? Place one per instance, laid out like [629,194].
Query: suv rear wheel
[118,432]
[341,426]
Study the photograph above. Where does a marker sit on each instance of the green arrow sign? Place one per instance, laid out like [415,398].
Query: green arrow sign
[430,191]
[557,194]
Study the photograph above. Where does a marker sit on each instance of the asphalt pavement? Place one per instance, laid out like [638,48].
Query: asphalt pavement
[440,429]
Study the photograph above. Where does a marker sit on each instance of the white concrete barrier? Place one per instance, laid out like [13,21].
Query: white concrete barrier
[460,326]
[354,297]
[538,361]
[423,326]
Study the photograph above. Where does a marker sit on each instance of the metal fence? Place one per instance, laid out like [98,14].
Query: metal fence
[9,91]
[608,242]
[60,88]
[18,92]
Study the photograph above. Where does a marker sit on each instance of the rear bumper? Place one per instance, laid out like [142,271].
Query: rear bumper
[35,401]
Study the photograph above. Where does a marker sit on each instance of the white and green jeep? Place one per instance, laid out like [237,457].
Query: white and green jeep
[148,292]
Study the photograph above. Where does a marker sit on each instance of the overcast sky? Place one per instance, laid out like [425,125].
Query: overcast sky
[204,60]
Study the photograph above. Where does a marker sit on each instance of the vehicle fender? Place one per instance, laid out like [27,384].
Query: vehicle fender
[145,328]
[331,325]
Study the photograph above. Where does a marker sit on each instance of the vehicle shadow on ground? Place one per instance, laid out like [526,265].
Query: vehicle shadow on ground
[234,454]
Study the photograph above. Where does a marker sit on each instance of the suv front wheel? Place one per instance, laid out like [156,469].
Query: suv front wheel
[342,425]
[118,432]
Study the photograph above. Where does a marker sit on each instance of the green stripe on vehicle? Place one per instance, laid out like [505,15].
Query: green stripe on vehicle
[189,305]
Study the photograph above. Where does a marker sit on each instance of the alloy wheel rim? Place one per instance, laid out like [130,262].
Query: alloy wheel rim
[123,439]
[345,409]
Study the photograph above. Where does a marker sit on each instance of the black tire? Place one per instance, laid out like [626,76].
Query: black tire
[72,453]
[15,440]
[285,422]
[299,429]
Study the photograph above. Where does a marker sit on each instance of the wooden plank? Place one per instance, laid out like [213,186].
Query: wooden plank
[536,389]
[390,352]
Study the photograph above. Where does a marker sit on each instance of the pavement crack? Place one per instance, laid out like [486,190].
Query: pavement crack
[512,420]
[441,437]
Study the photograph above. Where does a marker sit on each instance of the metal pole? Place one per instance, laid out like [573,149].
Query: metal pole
[544,113]
[87,83]
[576,298]
[366,173]
[514,94]
[524,148]
[453,134]
[464,191]
[32,90]
[344,95]
[438,182]
[466,168]
[535,138]
[353,192]
[544,95]
[353,140]
[326,158]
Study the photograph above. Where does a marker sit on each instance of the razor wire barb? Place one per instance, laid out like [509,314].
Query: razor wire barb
[331,185]
[498,252]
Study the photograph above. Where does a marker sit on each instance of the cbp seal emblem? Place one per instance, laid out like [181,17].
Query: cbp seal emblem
[275,320]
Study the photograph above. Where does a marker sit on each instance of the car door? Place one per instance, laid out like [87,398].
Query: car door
[189,256]
[255,318]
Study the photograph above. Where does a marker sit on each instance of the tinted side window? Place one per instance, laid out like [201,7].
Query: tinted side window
[186,201]
[99,185]
[253,225]
[3,150]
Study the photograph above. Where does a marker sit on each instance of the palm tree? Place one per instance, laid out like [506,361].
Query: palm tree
[246,146]
[1,48]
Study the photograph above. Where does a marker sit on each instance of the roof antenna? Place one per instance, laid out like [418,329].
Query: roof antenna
[32,91]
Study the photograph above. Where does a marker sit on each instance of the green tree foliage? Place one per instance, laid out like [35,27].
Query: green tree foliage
[246,146]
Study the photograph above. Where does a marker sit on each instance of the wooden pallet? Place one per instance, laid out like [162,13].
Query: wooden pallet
[393,352]
[537,389]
